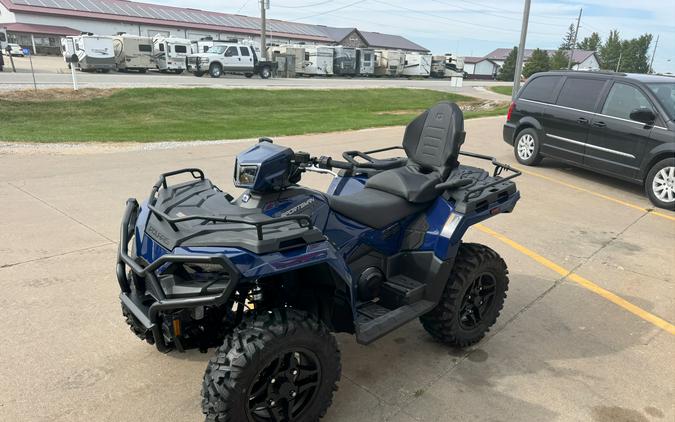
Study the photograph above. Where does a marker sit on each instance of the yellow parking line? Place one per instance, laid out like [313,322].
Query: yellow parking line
[583,282]
[599,195]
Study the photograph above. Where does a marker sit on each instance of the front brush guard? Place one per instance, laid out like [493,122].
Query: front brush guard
[149,316]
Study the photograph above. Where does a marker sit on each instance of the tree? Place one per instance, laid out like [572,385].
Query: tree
[508,69]
[568,39]
[610,51]
[635,54]
[559,60]
[591,43]
[539,62]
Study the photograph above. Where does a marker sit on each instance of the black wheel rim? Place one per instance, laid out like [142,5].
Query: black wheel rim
[477,301]
[286,387]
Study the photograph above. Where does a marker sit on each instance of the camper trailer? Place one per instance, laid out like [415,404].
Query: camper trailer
[344,61]
[416,64]
[133,53]
[389,62]
[295,50]
[365,61]
[171,53]
[94,52]
[3,40]
[203,45]
[318,60]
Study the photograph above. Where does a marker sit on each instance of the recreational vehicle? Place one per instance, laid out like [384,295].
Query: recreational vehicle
[389,62]
[204,44]
[3,40]
[318,60]
[417,65]
[344,61]
[94,52]
[295,50]
[133,53]
[171,53]
[365,61]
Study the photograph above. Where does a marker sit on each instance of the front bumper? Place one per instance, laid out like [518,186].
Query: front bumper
[147,306]
[508,132]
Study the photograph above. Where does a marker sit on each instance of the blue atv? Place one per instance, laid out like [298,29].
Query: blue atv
[268,276]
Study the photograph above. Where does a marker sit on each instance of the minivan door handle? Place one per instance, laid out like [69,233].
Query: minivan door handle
[599,124]
[582,121]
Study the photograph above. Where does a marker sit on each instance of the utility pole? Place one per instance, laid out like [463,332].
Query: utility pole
[574,43]
[618,63]
[264,5]
[521,49]
[651,62]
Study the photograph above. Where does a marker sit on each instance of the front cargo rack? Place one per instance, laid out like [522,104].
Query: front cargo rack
[258,222]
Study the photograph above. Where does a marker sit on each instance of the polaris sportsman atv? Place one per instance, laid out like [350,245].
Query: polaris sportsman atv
[267,277]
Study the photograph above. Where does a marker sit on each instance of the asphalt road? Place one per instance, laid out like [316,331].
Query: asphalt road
[586,333]
[22,80]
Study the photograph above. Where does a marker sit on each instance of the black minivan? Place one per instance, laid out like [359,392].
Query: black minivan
[617,124]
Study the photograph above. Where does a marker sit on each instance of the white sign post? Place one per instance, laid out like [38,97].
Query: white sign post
[70,53]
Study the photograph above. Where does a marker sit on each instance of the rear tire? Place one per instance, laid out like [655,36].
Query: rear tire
[472,299]
[272,362]
[660,184]
[526,147]
[265,72]
[215,70]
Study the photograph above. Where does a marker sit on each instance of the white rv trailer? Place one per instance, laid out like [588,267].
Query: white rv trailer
[94,52]
[318,60]
[416,64]
[203,45]
[3,40]
[365,61]
[171,53]
[133,53]
[389,62]
[296,50]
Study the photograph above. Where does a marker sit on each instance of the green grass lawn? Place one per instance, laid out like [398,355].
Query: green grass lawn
[150,114]
[506,90]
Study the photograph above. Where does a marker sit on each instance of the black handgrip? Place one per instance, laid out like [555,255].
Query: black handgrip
[340,164]
[453,184]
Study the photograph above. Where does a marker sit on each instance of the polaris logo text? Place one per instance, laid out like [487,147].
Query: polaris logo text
[301,206]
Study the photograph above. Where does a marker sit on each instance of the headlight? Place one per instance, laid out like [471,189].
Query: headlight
[246,174]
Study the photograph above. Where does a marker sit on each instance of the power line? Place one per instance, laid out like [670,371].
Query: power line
[458,20]
[329,11]
[304,5]
[243,5]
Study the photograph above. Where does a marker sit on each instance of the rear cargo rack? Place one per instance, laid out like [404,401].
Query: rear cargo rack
[499,168]
[303,221]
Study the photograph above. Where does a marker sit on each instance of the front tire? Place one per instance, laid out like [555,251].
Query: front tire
[215,70]
[278,365]
[660,184]
[526,147]
[472,299]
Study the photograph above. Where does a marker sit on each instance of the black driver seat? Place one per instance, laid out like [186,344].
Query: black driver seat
[431,142]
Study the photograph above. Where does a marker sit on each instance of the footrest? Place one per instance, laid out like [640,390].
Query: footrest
[374,321]
[401,290]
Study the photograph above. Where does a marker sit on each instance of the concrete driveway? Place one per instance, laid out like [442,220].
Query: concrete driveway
[586,333]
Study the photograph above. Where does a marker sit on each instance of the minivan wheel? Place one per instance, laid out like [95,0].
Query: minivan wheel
[660,184]
[526,147]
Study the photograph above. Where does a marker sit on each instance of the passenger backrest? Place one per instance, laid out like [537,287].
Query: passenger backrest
[433,139]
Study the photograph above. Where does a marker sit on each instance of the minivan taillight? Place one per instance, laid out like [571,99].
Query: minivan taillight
[508,114]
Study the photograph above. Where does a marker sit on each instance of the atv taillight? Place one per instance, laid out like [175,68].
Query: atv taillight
[508,114]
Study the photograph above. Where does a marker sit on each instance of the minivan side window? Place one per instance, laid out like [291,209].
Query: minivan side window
[244,51]
[623,99]
[580,93]
[540,89]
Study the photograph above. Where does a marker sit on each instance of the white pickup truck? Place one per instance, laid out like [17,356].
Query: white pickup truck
[229,58]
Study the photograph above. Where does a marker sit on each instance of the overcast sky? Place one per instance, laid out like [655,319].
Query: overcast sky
[474,27]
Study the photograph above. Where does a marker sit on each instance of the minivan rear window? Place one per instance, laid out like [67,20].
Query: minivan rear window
[580,93]
[540,89]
